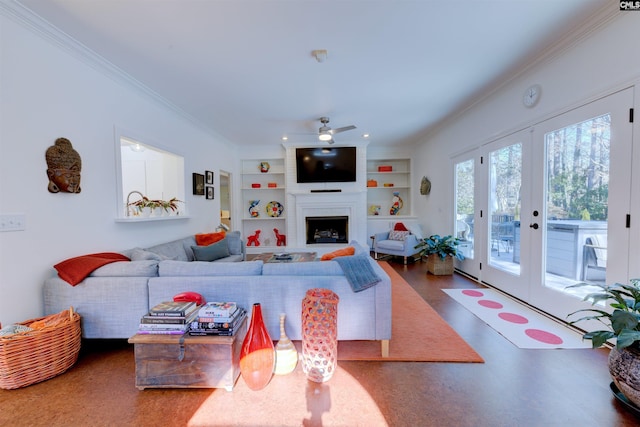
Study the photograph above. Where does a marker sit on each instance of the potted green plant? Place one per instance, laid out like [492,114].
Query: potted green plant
[146,206]
[440,252]
[623,325]
[169,206]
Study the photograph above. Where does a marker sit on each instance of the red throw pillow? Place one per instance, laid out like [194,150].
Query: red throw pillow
[349,250]
[74,270]
[206,239]
[400,227]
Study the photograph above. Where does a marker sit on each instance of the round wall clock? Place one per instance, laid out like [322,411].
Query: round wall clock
[531,95]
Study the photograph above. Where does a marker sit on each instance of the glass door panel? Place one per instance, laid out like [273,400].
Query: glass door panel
[465,206]
[505,182]
[507,245]
[577,196]
[465,178]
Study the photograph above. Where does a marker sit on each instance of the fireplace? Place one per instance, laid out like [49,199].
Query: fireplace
[327,229]
[348,207]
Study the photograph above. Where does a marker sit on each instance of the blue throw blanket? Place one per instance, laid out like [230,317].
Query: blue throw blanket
[358,272]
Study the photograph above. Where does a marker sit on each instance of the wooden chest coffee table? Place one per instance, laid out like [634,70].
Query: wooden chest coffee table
[184,361]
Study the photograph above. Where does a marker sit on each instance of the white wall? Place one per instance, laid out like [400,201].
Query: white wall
[47,92]
[603,62]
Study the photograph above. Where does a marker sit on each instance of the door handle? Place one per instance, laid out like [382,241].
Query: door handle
[534,225]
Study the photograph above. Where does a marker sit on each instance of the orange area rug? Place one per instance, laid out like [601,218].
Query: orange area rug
[418,333]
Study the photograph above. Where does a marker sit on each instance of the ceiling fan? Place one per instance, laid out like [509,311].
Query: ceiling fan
[325,133]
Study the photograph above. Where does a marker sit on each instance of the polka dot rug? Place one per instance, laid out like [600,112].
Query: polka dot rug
[518,323]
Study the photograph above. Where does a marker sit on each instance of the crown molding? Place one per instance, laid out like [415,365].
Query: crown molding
[572,37]
[62,40]
[25,17]
[607,13]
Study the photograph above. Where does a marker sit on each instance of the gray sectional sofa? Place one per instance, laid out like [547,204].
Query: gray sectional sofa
[114,297]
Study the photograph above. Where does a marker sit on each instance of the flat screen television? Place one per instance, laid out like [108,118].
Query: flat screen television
[325,164]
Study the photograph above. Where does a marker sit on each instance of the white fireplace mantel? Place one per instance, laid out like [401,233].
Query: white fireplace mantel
[351,204]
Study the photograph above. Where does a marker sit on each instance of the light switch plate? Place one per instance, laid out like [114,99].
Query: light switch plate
[13,222]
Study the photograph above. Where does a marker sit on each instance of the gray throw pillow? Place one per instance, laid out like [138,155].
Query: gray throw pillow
[212,252]
[236,246]
[138,254]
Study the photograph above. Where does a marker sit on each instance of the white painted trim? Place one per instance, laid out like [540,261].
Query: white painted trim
[608,12]
[27,18]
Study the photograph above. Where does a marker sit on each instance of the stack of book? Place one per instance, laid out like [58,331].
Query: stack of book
[218,318]
[172,318]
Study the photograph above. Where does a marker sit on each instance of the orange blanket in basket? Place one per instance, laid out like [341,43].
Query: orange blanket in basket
[74,270]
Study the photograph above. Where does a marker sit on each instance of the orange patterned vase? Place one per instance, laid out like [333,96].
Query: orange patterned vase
[257,356]
[319,334]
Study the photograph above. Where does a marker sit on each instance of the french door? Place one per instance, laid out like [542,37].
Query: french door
[466,175]
[507,248]
[557,205]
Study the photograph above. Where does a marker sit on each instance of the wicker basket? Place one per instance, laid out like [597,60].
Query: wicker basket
[439,266]
[30,357]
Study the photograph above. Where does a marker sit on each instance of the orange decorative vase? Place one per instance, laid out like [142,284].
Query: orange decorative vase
[319,334]
[257,356]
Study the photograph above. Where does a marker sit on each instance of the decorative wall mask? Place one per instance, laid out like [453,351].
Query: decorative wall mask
[63,167]
[425,186]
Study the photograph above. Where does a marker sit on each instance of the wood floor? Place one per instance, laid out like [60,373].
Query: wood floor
[514,387]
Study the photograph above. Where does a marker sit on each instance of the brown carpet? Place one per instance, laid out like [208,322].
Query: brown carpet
[418,333]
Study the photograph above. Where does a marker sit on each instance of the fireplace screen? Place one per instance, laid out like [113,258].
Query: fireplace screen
[327,229]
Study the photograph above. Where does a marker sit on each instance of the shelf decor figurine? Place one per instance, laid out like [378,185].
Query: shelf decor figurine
[254,239]
[319,334]
[281,239]
[257,355]
[286,353]
[253,208]
[264,167]
[396,204]
[274,209]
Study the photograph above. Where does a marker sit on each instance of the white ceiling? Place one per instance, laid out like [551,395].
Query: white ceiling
[244,68]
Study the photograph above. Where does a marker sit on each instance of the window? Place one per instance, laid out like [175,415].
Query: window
[148,171]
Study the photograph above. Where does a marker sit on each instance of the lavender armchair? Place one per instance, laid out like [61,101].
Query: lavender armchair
[397,242]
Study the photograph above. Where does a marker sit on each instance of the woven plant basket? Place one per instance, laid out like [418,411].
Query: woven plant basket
[33,356]
[439,266]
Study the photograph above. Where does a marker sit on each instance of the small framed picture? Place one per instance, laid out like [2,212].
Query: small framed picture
[210,192]
[198,184]
[208,177]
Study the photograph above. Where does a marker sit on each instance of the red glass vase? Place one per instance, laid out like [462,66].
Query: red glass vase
[319,334]
[257,355]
